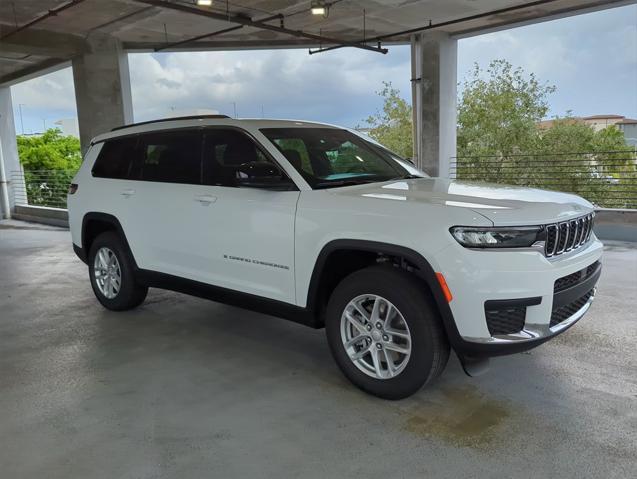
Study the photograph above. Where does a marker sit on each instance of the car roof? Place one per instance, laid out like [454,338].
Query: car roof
[208,120]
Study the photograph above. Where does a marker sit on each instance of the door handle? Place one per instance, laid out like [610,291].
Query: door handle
[205,200]
[127,193]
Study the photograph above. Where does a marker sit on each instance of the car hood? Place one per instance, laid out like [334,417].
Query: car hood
[502,204]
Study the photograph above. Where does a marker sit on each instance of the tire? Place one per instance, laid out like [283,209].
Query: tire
[429,352]
[129,294]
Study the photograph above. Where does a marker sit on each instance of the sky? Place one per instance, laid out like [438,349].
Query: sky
[591,59]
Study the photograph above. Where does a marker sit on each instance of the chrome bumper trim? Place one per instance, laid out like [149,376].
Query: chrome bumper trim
[535,332]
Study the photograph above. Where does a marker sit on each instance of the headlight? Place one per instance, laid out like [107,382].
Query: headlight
[497,237]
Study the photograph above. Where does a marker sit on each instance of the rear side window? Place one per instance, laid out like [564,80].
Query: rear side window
[170,157]
[116,158]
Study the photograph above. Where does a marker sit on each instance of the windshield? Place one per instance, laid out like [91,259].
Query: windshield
[329,157]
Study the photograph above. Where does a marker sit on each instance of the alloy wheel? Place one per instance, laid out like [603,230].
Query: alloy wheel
[375,336]
[107,272]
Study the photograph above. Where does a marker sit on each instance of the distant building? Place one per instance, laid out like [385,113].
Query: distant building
[173,112]
[68,127]
[627,126]
[599,122]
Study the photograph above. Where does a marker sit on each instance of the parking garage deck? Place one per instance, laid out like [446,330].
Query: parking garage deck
[184,387]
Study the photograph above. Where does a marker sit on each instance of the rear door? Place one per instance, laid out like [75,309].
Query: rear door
[163,216]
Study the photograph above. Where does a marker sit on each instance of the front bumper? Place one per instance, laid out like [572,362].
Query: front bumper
[523,280]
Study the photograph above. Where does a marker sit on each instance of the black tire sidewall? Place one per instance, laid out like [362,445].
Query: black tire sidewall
[130,293]
[402,291]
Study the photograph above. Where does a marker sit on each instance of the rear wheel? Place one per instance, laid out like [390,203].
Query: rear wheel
[111,274]
[384,332]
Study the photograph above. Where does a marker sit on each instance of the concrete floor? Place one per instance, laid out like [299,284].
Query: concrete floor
[186,388]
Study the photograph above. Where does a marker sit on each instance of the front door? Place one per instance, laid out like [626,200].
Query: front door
[247,233]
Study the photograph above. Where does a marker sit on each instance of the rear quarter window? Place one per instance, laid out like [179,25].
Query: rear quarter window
[116,158]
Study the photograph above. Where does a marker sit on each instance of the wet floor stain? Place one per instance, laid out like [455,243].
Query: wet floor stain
[461,416]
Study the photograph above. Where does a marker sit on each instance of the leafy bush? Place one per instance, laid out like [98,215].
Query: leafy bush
[49,161]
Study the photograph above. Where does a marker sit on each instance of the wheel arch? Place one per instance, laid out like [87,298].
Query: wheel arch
[95,223]
[409,259]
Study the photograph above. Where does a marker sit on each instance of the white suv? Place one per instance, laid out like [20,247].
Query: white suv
[320,225]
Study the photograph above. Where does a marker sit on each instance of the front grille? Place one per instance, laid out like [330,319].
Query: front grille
[564,312]
[574,278]
[568,235]
[505,321]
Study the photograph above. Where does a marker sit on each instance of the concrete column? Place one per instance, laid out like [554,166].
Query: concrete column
[434,100]
[102,88]
[11,181]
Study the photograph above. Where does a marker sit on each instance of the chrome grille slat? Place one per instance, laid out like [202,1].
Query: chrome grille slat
[568,235]
[551,239]
[582,231]
[572,233]
[578,232]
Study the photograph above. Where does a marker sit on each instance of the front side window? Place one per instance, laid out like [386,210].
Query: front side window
[231,158]
[170,157]
[116,158]
[329,157]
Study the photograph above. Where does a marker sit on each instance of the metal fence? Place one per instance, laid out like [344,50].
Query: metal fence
[607,179]
[41,187]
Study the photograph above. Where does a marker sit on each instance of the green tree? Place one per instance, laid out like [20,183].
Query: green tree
[49,151]
[499,109]
[500,140]
[49,161]
[392,126]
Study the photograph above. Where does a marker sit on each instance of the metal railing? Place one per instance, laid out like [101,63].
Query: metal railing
[41,187]
[607,179]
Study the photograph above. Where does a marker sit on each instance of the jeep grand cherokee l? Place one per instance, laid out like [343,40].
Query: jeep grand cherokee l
[317,224]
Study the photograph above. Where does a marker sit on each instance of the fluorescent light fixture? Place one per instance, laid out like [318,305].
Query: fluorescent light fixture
[204,3]
[320,7]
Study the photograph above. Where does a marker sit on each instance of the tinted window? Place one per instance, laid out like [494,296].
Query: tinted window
[116,158]
[170,157]
[225,151]
[328,157]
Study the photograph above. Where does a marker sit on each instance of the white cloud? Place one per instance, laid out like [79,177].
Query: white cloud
[54,91]
[338,86]
[592,59]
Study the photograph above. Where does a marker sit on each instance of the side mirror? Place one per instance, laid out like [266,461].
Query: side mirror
[411,160]
[257,174]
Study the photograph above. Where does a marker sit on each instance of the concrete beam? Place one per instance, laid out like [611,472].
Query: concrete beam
[33,71]
[43,43]
[434,101]
[541,18]
[102,88]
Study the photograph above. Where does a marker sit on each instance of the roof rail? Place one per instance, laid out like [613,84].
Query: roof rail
[176,118]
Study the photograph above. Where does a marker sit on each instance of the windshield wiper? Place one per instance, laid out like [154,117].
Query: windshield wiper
[407,177]
[349,182]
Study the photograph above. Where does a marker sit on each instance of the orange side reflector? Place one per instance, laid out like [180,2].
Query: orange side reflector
[445,288]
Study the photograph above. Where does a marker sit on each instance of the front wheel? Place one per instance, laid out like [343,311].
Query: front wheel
[111,272]
[384,332]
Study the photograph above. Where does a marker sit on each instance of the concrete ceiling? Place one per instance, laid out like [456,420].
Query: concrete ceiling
[143,27]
